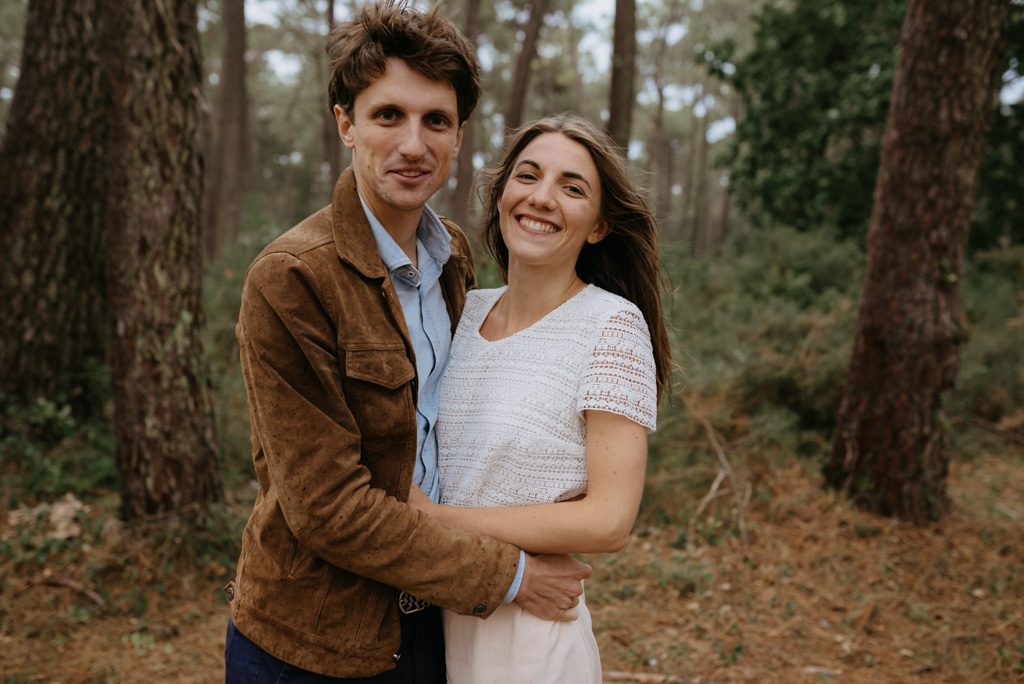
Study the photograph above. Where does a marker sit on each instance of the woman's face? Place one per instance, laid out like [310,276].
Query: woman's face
[551,204]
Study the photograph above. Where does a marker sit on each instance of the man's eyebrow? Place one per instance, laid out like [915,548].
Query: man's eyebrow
[565,174]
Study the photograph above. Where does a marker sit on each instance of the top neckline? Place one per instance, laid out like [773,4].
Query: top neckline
[501,292]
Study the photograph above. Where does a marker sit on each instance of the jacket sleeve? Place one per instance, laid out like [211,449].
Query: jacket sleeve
[307,448]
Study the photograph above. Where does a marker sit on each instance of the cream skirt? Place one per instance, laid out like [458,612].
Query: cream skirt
[515,647]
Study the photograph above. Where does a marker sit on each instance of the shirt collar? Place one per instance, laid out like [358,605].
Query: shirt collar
[430,233]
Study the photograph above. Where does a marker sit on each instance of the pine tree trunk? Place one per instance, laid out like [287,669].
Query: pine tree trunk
[332,142]
[701,224]
[166,452]
[889,452]
[620,103]
[231,137]
[521,79]
[464,166]
[52,245]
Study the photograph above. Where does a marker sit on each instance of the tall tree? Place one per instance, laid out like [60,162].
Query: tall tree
[52,228]
[889,450]
[527,51]
[166,452]
[620,103]
[464,167]
[228,156]
[332,142]
[816,87]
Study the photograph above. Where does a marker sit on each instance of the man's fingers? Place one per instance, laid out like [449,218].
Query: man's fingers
[568,615]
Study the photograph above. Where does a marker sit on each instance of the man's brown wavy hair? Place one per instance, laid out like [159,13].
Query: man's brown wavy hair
[427,41]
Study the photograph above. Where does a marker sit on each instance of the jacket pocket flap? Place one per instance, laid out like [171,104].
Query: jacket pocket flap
[389,368]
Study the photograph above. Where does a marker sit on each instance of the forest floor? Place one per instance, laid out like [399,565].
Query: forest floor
[822,592]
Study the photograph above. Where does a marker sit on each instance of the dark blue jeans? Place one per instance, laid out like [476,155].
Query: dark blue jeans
[421,661]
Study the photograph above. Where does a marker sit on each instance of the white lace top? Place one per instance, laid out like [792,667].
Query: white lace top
[511,428]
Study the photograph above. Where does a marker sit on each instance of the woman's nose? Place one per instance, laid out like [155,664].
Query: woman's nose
[542,195]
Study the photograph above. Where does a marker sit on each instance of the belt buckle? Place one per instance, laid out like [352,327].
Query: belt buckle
[407,603]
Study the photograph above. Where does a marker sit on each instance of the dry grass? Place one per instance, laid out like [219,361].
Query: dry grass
[826,594]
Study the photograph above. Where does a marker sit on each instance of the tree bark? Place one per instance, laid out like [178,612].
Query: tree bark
[464,170]
[889,452]
[332,142]
[620,104]
[53,316]
[231,136]
[527,51]
[166,452]
[701,224]
[579,101]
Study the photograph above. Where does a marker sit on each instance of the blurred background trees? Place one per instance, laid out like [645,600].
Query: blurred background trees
[756,128]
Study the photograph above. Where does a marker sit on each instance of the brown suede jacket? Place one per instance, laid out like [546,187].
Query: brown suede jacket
[331,380]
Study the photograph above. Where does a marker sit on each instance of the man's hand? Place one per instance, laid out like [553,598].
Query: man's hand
[552,586]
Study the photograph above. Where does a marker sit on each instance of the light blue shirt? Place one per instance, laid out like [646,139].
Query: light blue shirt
[430,332]
[426,317]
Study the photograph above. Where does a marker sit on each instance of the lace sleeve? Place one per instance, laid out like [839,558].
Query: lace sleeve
[620,375]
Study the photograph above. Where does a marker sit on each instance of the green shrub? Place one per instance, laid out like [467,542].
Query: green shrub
[990,383]
[768,322]
[47,452]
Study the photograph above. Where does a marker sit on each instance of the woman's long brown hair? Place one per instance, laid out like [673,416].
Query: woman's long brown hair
[625,262]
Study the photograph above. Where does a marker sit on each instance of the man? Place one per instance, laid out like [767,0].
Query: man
[344,332]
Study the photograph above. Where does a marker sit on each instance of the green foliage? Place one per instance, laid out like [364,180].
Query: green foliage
[816,89]
[767,327]
[990,383]
[763,333]
[222,298]
[46,452]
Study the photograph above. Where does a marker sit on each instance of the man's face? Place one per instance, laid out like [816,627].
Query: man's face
[404,134]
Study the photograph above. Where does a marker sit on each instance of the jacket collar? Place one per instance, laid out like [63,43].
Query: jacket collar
[353,238]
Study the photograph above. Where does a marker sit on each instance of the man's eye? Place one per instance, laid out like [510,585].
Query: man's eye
[387,116]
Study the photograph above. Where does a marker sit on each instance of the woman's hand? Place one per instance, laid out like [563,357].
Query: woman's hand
[419,500]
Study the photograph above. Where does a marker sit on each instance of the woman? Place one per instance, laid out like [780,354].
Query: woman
[552,386]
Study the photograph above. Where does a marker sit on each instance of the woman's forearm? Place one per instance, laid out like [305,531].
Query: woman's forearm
[599,522]
[579,526]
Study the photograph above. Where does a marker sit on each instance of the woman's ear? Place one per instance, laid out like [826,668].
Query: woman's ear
[600,232]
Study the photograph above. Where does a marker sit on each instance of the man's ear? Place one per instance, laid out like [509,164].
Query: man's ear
[345,125]
[458,139]
[600,232]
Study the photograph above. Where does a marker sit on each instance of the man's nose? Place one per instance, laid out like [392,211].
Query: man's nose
[412,145]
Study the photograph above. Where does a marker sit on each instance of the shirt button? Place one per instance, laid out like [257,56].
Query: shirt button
[480,610]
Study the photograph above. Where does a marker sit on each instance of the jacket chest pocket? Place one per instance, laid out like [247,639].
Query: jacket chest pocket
[378,388]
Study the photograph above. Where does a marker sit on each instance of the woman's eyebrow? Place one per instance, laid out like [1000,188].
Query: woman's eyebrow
[575,175]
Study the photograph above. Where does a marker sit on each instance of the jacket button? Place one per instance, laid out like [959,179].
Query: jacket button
[480,610]
[396,657]
[230,592]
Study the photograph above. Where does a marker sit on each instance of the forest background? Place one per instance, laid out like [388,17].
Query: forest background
[757,129]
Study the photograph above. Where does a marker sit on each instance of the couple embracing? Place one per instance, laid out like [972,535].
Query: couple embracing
[428,454]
